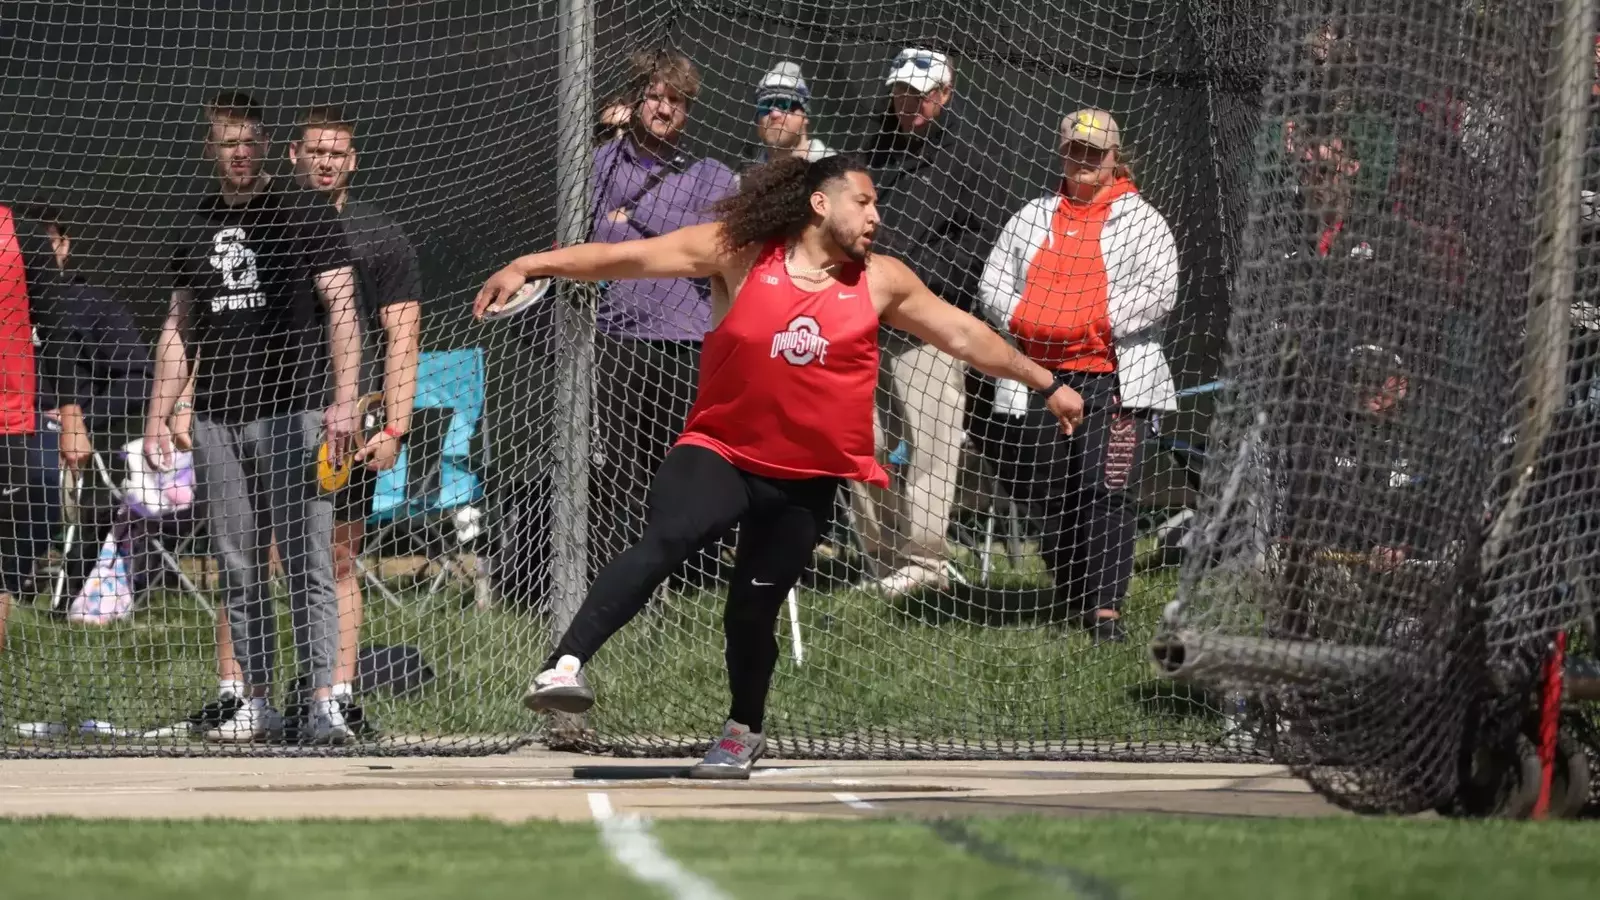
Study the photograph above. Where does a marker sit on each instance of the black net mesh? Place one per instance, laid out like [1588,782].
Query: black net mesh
[1372,371]
[1349,588]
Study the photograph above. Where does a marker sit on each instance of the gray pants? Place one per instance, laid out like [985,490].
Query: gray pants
[254,480]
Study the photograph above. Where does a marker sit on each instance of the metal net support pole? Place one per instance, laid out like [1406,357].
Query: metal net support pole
[1544,357]
[576,302]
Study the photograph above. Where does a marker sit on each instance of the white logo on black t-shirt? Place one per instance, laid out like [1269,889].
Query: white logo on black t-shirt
[237,264]
[801,343]
[234,260]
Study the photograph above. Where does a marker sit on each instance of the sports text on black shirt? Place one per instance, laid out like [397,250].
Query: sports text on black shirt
[255,333]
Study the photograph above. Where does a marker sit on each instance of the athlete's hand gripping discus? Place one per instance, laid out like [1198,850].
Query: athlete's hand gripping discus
[524,299]
[334,474]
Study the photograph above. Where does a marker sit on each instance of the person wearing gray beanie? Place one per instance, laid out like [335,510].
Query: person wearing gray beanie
[783,122]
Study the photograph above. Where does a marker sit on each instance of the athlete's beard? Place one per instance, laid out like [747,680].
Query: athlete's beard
[845,243]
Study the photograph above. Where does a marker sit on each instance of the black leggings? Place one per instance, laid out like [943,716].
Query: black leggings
[696,498]
[1085,487]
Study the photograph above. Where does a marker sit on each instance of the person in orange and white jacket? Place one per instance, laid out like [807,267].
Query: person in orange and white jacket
[1083,280]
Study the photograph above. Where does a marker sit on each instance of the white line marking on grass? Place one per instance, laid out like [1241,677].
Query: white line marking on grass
[852,801]
[631,844]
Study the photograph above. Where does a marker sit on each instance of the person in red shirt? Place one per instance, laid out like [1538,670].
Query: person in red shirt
[784,412]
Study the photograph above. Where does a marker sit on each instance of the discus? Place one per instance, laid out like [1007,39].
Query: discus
[520,302]
[333,475]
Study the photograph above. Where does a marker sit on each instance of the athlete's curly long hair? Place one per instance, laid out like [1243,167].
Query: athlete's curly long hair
[774,199]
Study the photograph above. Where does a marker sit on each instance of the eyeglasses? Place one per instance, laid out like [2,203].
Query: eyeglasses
[922,59]
[783,104]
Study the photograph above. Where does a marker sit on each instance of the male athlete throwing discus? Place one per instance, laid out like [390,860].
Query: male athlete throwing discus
[784,412]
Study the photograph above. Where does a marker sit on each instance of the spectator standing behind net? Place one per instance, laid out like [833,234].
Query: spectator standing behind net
[388,299]
[648,355]
[99,339]
[32,347]
[932,218]
[110,369]
[238,262]
[783,117]
[784,411]
[1084,279]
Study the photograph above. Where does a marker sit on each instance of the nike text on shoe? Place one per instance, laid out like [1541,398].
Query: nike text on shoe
[560,689]
[733,755]
[255,721]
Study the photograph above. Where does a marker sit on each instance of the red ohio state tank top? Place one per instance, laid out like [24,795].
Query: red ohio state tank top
[787,379]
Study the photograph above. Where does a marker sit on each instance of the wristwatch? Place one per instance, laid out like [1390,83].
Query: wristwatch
[1045,393]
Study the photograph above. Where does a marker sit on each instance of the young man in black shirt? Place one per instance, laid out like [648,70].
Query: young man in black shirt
[238,264]
[32,349]
[105,372]
[389,297]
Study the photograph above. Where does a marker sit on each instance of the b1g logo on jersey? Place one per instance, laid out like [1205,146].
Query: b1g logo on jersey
[801,343]
[234,260]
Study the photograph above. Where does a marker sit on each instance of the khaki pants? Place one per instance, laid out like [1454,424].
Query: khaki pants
[921,400]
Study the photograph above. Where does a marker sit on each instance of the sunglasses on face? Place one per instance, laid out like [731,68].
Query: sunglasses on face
[922,60]
[782,104]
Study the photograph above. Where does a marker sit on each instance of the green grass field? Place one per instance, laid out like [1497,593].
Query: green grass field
[970,667]
[1013,858]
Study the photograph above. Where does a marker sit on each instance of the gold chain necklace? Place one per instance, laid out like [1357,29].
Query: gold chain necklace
[808,274]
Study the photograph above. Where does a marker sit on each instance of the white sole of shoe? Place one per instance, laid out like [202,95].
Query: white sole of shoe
[564,700]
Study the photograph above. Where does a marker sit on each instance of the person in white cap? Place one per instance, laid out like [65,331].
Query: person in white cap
[1084,279]
[934,216]
[783,120]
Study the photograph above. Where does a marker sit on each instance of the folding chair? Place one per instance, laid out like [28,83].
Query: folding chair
[428,500]
[118,490]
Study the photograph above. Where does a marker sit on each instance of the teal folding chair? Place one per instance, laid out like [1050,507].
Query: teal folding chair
[430,500]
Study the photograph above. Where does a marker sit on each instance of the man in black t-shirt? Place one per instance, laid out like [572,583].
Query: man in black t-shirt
[238,263]
[37,351]
[388,297]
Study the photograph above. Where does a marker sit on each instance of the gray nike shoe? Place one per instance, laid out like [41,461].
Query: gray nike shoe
[733,755]
[560,689]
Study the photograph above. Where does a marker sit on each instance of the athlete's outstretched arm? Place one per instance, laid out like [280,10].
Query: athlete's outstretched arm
[692,252]
[911,307]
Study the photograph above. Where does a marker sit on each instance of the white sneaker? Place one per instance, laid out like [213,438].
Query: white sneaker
[909,579]
[733,755]
[326,724]
[255,721]
[560,689]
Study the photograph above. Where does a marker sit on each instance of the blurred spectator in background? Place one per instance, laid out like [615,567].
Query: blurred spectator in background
[110,370]
[388,300]
[239,261]
[1084,279]
[933,218]
[647,356]
[32,347]
[101,341]
[783,118]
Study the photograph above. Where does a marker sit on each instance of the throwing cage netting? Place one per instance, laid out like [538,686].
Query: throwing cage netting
[529,455]
[1369,215]
[1400,514]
